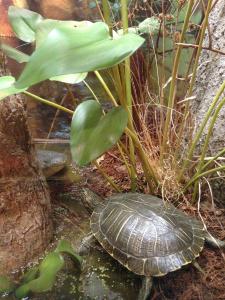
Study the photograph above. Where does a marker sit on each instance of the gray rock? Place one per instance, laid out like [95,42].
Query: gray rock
[210,76]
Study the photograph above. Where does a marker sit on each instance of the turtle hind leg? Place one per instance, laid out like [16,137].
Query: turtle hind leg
[145,289]
[198,267]
[213,241]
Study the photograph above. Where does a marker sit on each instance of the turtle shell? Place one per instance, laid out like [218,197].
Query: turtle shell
[146,235]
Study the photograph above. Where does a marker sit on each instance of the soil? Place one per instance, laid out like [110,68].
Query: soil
[187,283]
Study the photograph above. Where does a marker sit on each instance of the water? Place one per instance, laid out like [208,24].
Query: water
[101,277]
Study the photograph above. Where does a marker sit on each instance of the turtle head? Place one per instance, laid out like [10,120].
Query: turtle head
[90,199]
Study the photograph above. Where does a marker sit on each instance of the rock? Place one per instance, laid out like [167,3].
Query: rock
[210,76]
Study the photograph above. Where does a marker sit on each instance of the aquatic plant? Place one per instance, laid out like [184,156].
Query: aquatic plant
[40,278]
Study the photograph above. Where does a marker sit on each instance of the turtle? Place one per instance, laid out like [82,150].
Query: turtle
[147,235]
[51,162]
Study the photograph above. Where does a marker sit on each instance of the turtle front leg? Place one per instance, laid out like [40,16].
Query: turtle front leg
[87,243]
[145,289]
[213,241]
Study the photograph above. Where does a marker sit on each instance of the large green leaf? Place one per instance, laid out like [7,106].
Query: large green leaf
[49,267]
[24,23]
[15,54]
[7,87]
[93,133]
[43,30]
[68,50]
[47,25]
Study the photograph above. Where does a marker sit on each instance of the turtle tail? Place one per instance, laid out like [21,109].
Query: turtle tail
[214,242]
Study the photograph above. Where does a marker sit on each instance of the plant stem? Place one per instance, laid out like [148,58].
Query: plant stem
[50,103]
[148,171]
[106,88]
[189,93]
[206,143]
[113,184]
[204,174]
[99,10]
[116,77]
[70,92]
[91,90]
[128,99]
[195,66]
[172,91]
[204,48]
[199,132]
[54,119]
[106,14]
[124,159]
[202,35]
[213,158]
